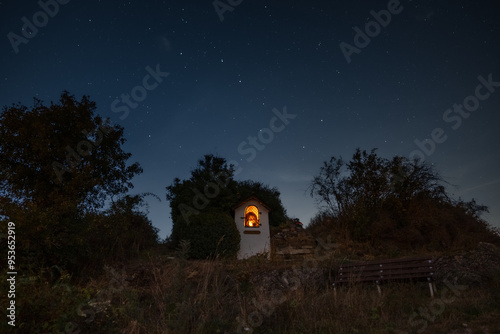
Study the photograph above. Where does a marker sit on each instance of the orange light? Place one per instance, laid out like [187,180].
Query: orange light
[252,216]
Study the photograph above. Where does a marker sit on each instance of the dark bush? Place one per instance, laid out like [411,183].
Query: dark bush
[394,204]
[211,233]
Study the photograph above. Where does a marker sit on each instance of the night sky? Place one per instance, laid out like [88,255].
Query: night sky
[184,83]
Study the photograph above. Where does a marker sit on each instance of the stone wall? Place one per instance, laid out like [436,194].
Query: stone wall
[292,242]
[472,267]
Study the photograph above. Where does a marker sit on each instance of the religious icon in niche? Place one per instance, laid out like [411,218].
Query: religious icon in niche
[252,216]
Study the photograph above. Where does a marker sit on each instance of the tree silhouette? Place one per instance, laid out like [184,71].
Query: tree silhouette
[269,196]
[371,198]
[59,165]
[202,205]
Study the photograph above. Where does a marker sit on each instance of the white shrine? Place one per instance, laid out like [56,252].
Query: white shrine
[252,219]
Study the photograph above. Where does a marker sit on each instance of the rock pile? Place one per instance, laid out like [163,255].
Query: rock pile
[292,242]
[291,279]
[473,267]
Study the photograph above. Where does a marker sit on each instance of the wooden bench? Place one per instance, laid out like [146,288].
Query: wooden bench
[417,268]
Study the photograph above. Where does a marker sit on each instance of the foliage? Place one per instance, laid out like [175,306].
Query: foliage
[210,187]
[44,155]
[210,234]
[59,166]
[378,200]
[121,231]
[212,190]
[227,296]
[269,196]
[368,180]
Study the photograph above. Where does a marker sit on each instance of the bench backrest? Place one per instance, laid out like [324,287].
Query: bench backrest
[384,270]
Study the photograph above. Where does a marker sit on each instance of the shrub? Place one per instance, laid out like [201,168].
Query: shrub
[394,204]
[211,233]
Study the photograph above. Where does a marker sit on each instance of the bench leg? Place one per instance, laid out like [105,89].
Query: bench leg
[431,289]
[379,290]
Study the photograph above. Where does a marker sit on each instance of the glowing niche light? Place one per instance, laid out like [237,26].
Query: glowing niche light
[252,216]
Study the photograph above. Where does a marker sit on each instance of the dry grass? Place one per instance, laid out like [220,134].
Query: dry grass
[218,296]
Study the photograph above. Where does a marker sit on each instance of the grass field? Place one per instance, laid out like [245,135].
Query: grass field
[163,294]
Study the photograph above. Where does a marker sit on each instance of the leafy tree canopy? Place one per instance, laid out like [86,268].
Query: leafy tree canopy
[367,180]
[62,153]
[211,186]
[211,189]
[371,198]
[60,164]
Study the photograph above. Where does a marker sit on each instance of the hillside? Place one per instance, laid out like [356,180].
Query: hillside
[165,293]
